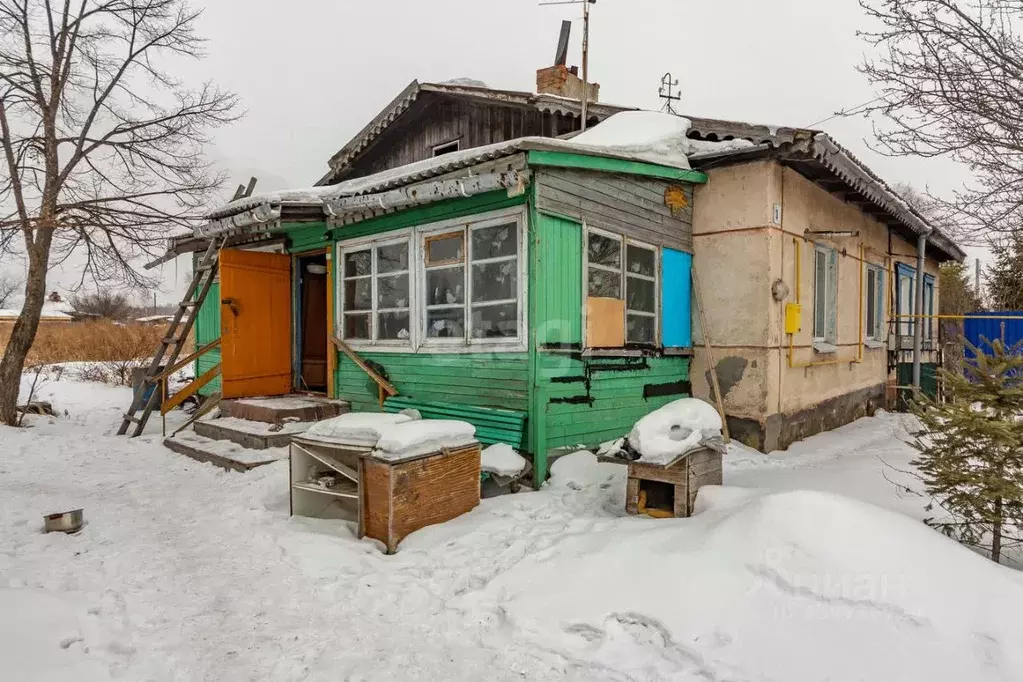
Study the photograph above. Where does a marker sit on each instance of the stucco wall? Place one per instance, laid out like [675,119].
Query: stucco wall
[742,246]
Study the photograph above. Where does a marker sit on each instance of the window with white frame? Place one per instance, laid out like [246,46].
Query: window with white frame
[376,292]
[825,295]
[621,268]
[440,286]
[905,298]
[874,303]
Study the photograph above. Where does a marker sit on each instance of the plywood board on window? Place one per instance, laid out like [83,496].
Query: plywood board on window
[605,322]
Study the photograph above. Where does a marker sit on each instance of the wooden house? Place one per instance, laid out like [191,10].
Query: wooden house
[540,288]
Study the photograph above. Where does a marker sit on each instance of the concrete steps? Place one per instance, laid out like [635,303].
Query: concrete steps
[252,432]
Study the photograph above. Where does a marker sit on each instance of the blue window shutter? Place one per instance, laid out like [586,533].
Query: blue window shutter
[676,297]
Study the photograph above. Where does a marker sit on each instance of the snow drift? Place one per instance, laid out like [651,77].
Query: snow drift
[798,586]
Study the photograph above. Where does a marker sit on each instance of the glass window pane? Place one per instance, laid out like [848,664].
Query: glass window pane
[442,324]
[871,304]
[604,284]
[494,281]
[819,293]
[640,261]
[445,248]
[359,294]
[358,263]
[392,258]
[392,291]
[640,295]
[445,286]
[357,326]
[393,326]
[639,329]
[495,242]
[495,321]
[605,251]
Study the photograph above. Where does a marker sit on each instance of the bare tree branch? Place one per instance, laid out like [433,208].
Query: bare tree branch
[102,146]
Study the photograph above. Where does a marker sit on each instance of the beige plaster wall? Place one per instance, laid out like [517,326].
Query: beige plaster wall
[740,250]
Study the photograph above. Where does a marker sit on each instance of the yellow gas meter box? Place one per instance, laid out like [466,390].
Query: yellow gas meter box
[793,318]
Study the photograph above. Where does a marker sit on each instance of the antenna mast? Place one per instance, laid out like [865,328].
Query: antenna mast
[586,51]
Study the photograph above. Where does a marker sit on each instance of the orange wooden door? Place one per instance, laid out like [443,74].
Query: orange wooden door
[255,323]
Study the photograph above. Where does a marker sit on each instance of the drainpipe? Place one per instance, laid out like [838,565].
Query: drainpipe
[918,327]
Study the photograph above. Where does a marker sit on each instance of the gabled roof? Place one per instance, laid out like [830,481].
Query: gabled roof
[400,104]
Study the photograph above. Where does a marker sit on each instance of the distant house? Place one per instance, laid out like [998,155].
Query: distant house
[55,311]
[540,287]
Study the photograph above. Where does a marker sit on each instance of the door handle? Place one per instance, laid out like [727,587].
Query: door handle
[231,303]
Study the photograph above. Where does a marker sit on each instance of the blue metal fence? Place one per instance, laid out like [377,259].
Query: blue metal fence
[982,328]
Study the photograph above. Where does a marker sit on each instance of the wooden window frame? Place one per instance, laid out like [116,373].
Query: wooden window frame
[625,241]
[878,334]
[822,342]
[373,246]
[457,143]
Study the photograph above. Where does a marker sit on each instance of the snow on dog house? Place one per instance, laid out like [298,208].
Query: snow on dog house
[537,288]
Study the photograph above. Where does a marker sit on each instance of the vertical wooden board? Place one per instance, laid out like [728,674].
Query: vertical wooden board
[256,331]
[331,349]
[676,299]
[557,277]
[207,330]
[605,322]
[375,487]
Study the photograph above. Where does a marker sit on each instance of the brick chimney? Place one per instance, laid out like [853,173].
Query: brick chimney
[564,82]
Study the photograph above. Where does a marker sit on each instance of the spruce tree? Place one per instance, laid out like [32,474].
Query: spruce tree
[1005,275]
[971,450]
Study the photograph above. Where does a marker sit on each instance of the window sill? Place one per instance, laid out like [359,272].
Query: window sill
[685,352]
[873,344]
[824,348]
[612,353]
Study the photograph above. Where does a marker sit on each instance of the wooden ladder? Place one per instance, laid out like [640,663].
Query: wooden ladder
[173,343]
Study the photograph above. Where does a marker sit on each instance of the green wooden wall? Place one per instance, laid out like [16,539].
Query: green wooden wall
[578,400]
[207,330]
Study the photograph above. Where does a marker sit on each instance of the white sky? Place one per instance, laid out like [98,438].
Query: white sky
[311,73]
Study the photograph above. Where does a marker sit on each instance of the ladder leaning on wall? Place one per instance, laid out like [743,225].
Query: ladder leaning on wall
[148,392]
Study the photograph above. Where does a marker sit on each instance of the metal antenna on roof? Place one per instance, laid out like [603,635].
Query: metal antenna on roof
[668,94]
[586,50]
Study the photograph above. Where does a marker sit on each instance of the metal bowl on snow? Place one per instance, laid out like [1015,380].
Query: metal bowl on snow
[64,522]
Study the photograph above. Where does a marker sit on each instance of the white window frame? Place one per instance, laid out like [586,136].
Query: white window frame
[372,244]
[906,304]
[416,236]
[625,241]
[878,334]
[821,342]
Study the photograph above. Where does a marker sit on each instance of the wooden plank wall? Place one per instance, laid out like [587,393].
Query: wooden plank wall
[624,204]
[436,120]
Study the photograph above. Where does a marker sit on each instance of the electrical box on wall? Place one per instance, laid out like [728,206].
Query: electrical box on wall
[793,318]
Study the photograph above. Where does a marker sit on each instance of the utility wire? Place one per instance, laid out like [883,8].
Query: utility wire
[852,111]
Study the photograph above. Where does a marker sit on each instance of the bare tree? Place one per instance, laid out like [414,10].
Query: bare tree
[104,304]
[950,79]
[103,147]
[8,287]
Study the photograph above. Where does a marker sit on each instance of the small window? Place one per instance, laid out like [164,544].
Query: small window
[376,302]
[618,268]
[446,148]
[874,303]
[494,285]
[825,295]
[444,256]
[906,301]
[928,330]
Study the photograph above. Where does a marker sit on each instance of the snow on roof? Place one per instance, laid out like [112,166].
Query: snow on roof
[51,311]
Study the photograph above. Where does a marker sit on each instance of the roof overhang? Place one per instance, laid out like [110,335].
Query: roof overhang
[820,159]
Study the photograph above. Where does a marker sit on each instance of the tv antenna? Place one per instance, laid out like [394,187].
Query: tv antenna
[669,94]
[586,49]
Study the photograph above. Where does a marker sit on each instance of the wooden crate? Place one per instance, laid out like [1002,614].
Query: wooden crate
[308,498]
[676,485]
[398,497]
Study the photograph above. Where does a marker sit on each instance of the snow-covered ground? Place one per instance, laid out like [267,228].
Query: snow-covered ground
[187,572]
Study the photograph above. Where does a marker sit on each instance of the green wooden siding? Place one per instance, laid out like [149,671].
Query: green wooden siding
[484,380]
[306,236]
[608,165]
[613,389]
[556,277]
[207,330]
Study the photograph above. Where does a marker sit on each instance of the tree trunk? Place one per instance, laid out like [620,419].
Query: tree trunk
[996,534]
[25,328]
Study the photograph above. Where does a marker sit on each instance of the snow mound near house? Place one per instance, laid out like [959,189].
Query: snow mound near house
[422,437]
[502,460]
[355,428]
[678,428]
[650,136]
[796,586]
[582,469]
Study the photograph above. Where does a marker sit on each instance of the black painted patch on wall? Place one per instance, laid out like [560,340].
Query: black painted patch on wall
[730,372]
[568,380]
[674,388]
[574,400]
